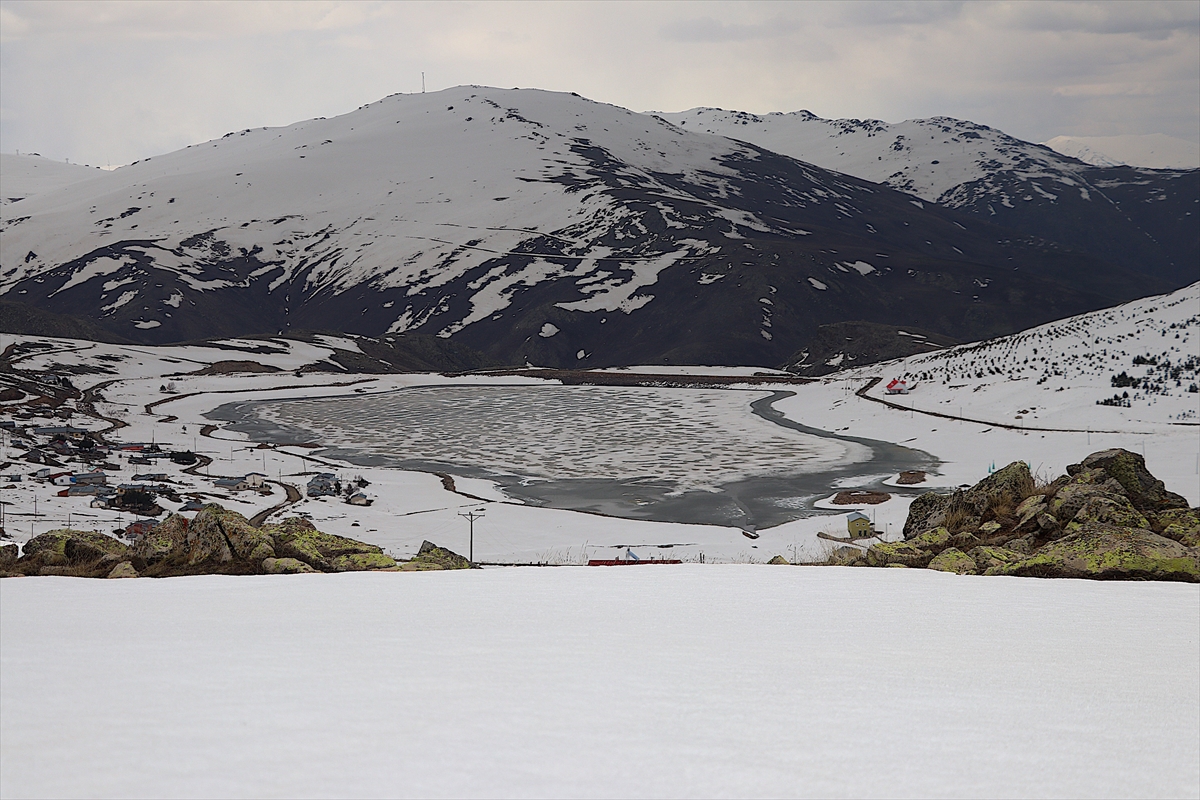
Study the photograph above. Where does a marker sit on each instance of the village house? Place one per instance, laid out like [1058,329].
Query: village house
[858,524]
[324,484]
[253,480]
[84,490]
[65,430]
[96,478]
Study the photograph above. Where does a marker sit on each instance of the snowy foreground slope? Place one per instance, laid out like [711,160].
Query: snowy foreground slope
[1144,219]
[534,226]
[690,681]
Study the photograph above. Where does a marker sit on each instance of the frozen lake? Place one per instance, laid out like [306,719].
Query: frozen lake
[683,455]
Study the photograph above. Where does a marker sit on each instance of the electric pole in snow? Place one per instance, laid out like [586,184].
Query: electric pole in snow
[471,516]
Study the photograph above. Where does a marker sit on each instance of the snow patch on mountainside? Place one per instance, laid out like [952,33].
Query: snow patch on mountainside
[927,157]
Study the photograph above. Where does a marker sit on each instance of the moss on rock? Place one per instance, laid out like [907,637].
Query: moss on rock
[953,560]
[8,557]
[1146,492]
[1099,550]
[285,566]
[994,558]
[431,553]
[71,552]
[297,538]
[360,562]
[1180,524]
[906,554]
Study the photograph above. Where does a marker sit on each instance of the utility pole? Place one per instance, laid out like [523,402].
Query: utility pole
[471,516]
[422,83]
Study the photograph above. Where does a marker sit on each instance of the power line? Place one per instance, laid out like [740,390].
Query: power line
[471,516]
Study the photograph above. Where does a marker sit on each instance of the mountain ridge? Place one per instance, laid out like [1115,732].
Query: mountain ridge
[532,226]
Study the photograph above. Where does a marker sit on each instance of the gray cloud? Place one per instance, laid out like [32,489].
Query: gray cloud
[118,81]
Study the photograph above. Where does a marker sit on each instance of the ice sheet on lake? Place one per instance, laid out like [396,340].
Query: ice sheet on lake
[696,439]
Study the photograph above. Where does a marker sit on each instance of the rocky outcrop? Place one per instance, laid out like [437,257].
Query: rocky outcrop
[430,556]
[168,535]
[297,539]
[954,560]
[1099,550]
[216,541]
[84,554]
[8,557]
[1107,518]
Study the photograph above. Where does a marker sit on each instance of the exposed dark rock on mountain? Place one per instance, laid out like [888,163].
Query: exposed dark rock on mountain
[1141,219]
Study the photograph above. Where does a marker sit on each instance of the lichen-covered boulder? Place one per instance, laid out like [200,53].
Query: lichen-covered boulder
[1022,545]
[847,556]
[244,539]
[927,511]
[1006,487]
[1146,492]
[1028,511]
[123,570]
[71,552]
[8,557]
[934,539]
[361,562]
[953,560]
[206,542]
[964,540]
[285,566]
[167,537]
[1180,524]
[1112,510]
[907,554]
[297,538]
[1072,497]
[431,553]
[994,558]
[1099,550]
[420,566]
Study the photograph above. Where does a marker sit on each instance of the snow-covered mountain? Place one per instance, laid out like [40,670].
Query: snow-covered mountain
[533,226]
[31,174]
[1152,150]
[1140,218]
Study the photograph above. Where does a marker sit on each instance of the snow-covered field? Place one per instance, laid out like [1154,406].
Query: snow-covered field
[690,681]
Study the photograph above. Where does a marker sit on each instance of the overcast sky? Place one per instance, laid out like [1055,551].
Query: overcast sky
[112,82]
